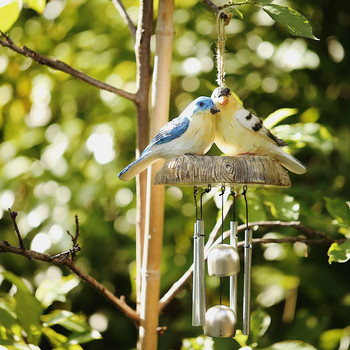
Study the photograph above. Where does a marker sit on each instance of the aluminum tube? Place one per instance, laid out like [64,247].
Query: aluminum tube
[195,306]
[248,235]
[201,272]
[233,279]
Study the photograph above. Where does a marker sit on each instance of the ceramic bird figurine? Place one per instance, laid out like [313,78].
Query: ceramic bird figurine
[193,132]
[239,132]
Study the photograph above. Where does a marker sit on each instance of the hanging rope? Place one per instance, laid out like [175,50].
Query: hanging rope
[245,189]
[223,20]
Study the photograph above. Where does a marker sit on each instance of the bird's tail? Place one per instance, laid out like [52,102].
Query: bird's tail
[289,162]
[136,167]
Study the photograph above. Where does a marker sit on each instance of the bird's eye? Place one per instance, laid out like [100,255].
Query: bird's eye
[201,104]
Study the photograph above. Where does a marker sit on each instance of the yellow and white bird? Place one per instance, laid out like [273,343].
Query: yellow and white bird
[239,132]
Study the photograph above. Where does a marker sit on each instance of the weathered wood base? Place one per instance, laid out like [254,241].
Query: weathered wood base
[190,170]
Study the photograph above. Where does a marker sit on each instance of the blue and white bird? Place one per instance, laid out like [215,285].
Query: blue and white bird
[193,132]
[239,132]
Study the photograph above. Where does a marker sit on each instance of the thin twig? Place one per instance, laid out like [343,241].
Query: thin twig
[126,18]
[13,215]
[5,247]
[229,4]
[212,5]
[63,67]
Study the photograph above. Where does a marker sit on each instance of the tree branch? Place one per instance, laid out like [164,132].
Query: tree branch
[13,215]
[212,5]
[218,8]
[5,247]
[63,67]
[180,284]
[63,259]
[126,18]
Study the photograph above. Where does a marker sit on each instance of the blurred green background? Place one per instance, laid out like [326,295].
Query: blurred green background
[63,142]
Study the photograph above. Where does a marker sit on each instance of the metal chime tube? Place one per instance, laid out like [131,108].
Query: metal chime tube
[198,293]
[233,279]
[247,279]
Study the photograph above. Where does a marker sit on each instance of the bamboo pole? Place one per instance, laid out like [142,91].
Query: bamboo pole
[143,81]
[152,249]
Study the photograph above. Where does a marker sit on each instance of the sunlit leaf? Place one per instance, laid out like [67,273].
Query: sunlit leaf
[17,281]
[290,345]
[282,206]
[279,115]
[30,321]
[236,13]
[9,12]
[201,342]
[259,323]
[69,320]
[37,5]
[80,338]
[56,339]
[311,134]
[265,2]
[331,338]
[295,22]
[50,291]
[7,319]
[339,210]
[339,252]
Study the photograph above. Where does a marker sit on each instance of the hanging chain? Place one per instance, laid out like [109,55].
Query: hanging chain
[234,194]
[223,20]
[207,190]
[245,189]
[222,213]
[195,191]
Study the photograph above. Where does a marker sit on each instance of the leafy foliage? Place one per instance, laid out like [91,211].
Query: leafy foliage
[24,324]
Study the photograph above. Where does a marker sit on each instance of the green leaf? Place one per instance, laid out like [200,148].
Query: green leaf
[56,339]
[7,319]
[295,22]
[73,322]
[201,342]
[265,2]
[260,322]
[80,338]
[282,206]
[279,115]
[36,5]
[6,342]
[311,134]
[24,301]
[17,281]
[28,311]
[290,345]
[339,209]
[331,338]
[339,252]
[50,291]
[9,12]
[236,13]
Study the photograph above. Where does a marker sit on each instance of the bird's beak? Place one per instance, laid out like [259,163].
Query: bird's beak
[214,110]
[223,96]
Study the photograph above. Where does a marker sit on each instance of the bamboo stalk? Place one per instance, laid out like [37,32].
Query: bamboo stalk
[143,81]
[152,248]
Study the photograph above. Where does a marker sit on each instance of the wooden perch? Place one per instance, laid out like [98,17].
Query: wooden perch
[222,170]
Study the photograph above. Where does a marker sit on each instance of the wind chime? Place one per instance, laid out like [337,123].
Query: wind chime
[223,261]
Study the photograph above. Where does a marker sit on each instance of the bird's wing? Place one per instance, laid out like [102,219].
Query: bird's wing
[169,132]
[254,124]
